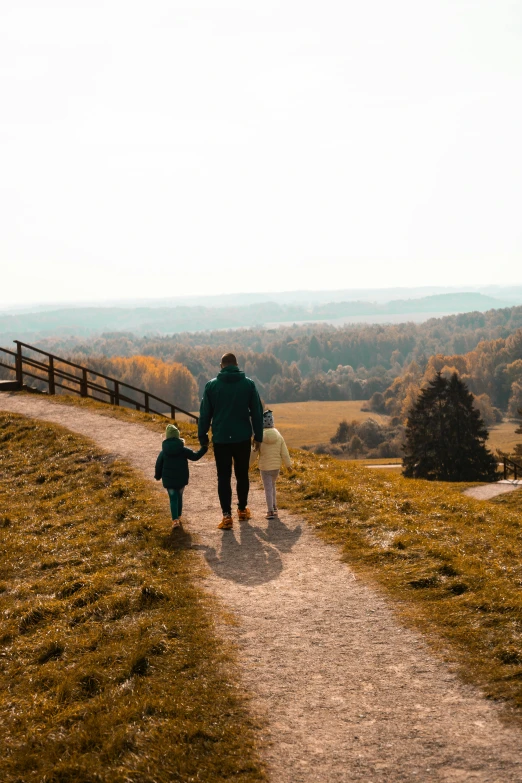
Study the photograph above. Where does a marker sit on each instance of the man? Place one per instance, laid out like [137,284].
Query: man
[232,406]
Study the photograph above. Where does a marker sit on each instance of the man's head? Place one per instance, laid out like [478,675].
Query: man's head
[228,359]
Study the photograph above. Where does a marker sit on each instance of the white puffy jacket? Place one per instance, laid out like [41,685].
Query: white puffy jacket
[273,451]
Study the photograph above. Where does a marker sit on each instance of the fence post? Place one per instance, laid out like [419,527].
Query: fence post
[147,407]
[173,412]
[116,393]
[83,385]
[18,365]
[52,389]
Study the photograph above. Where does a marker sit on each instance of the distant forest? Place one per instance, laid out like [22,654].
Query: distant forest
[143,320]
[381,364]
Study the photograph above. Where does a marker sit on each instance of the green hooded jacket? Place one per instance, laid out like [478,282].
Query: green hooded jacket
[172,463]
[232,406]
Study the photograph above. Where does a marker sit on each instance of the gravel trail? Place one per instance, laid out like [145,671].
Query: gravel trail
[349,693]
[488,491]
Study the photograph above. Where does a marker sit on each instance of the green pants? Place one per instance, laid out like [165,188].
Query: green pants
[176,502]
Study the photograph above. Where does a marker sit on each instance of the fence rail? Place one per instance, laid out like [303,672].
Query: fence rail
[57,377]
[511,467]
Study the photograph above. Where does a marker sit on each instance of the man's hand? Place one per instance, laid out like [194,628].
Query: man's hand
[204,440]
[257,445]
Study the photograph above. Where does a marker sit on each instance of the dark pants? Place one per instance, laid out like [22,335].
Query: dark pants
[176,502]
[239,454]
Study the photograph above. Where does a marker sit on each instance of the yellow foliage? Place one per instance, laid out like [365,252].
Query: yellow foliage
[169,380]
[483,404]
[410,399]
[514,370]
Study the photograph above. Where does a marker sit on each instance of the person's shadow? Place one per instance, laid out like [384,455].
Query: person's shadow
[178,538]
[279,535]
[253,557]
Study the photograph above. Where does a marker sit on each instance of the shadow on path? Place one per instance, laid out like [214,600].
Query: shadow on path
[251,558]
[279,535]
[178,538]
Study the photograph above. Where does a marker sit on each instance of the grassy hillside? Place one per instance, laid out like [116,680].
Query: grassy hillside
[452,561]
[110,670]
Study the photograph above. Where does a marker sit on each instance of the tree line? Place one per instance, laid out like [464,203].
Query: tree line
[320,362]
[492,372]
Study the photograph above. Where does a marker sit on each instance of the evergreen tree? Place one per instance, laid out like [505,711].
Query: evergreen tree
[445,435]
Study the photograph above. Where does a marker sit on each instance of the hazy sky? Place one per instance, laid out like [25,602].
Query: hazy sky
[162,148]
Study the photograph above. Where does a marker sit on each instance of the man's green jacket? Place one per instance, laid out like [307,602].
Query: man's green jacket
[232,406]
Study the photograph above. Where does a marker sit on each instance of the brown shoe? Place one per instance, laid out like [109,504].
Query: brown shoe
[244,514]
[226,523]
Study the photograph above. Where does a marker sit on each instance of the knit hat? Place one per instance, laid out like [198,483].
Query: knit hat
[268,420]
[171,431]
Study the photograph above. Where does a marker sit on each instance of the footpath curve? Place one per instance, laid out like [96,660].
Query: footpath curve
[348,693]
[489,491]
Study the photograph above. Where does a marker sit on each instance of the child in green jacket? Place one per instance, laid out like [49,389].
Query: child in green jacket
[172,468]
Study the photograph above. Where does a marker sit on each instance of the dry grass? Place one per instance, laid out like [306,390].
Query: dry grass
[110,669]
[380,461]
[503,437]
[452,561]
[309,423]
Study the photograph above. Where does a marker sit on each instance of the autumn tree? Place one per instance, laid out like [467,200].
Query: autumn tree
[342,434]
[171,381]
[445,435]
[356,446]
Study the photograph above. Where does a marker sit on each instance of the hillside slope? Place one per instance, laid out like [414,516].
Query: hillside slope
[344,685]
[110,669]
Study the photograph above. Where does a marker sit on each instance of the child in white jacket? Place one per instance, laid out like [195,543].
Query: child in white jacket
[272,454]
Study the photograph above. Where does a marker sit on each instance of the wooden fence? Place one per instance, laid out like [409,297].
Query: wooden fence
[50,372]
[511,467]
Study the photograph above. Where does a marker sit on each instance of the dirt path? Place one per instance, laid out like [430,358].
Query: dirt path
[488,491]
[350,694]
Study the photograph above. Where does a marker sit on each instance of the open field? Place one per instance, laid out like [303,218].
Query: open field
[308,423]
[110,667]
[503,437]
[452,562]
